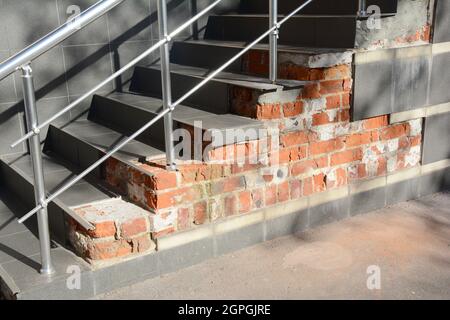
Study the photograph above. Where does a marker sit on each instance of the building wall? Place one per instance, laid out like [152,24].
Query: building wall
[82,61]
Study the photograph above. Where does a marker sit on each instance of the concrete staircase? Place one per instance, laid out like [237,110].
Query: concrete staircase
[74,146]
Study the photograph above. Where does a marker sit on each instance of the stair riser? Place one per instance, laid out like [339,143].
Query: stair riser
[148,81]
[21,189]
[79,154]
[299,31]
[110,113]
[334,7]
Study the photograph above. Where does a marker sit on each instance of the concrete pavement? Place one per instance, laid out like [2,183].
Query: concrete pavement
[400,252]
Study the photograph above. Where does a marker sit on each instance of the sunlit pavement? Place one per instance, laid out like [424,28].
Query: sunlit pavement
[400,252]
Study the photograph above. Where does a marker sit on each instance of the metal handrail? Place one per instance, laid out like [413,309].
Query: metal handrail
[118,73]
[55,37]
[166,111]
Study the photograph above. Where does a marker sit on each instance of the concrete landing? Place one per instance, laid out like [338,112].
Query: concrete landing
[20,258]
[408,242]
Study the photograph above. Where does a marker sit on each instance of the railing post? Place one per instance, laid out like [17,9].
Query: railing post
[38,169]
[166,84]
[273,41]
[362,9]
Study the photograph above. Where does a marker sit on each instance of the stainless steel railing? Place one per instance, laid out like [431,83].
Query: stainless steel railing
[22,60]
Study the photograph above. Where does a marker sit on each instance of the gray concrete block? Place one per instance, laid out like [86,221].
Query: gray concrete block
[436,138]
[411,83]
[442,21]
[239,239]
[287,225]
[435,182]
[367,201]
[173,259]
[440,79]
[125,273]
[373,89]
[402,191]
[329,212]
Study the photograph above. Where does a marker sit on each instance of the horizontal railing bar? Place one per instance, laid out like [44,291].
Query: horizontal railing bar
[93,166]
[55,37]
[237,56]
[115,75]
[154,120]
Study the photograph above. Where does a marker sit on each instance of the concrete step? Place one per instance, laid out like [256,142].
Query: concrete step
[17,176]
[147,80]
[109,111]
[20,256]
[211,54]
[335,7]
[304,30]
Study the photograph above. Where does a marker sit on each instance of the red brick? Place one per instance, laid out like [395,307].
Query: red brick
[160,200]
[160,180]
[340,178]
[346,99]
[311,91]
[200,212]
[283,191]
[133,227]
[358,172]
[344,115]
[331,86]
[142,243]
[294,138]
[307,186]
[338,72]
[375,123]
[268,112]
[105,250]
[230,205]
[415,141]
[348,85]
[382,166]
[319,182]
[271,195]
[103,229]
[292,109]
[324,147]
[323,118]
[295,187]
[334,101]
[346,156]
[245,201]
[227,185]
[358,139]
[303,167]
[183,219]
[395,131]
[258,198]
[163,233]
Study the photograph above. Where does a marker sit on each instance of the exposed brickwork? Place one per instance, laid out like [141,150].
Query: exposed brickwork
[121,229]
[319,149]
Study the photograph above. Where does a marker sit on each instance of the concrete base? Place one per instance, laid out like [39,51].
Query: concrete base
[194,246]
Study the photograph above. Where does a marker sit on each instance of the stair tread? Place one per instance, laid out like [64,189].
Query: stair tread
[103,138]
[55,174]
[237,79]
[188,115]
[265,46]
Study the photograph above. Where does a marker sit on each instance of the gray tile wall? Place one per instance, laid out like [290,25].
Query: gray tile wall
[442,21]
[400,84]
[83,60]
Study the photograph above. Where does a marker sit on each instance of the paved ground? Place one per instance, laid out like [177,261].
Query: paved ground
[409,243]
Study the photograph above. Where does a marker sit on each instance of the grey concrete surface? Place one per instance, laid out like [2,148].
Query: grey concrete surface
[409,242]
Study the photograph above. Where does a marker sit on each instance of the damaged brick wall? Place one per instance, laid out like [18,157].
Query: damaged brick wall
[319,150]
